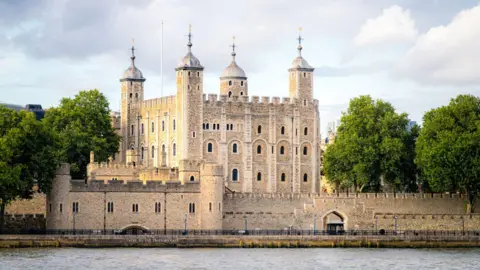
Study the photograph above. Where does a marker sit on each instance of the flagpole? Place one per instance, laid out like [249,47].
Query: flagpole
[161,65]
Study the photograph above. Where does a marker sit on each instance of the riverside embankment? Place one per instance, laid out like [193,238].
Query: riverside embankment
[236,241]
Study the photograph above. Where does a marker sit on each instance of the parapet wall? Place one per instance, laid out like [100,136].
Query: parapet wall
[215,99]
[21,223]
[135,186]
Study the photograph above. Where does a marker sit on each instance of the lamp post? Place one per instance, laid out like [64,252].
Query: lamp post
[314,224]
[396,224]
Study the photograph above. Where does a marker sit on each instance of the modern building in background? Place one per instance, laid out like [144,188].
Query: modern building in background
[35,108]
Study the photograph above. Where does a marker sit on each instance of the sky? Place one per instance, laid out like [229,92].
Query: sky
[416,54]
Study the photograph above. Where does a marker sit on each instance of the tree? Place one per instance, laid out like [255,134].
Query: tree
[337,167]
[28,157]
[83,124]
[448,147]
[370,144]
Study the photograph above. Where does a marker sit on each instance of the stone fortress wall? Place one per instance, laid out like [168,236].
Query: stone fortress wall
[364,211]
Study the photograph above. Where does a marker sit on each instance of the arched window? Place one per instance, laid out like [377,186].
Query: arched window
[153,151]
[153,127]
[229,82]
[192,178]
[142,151]
[283,177]
[231,126]
[163,148]
[210,148]
[142,128]
[305,177]
[282,150]
[304,74]
[203,125]
[234,148]
[305,131]
[241,93]
[193,134]
[174,149]
[229,93]
[218,126]
[132,130]
[234,175]
[259,129]
[228,127]
[207,126]
[259,176]
[189,73]
[259,149]
[305,150]
[282,130]
[241,83]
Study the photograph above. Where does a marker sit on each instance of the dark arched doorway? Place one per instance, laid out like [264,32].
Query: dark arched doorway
[134,230]
[333,223]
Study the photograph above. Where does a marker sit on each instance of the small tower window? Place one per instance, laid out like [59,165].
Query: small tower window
[174,149]
[241,93]
[259,129]
[142,152]
[241,83]
[304,102]
[229,93]
[153,151]
[198,74]
[229,82]
[193,134]
[203,125]
[132,130]
[235,150]
[304,74]
[188,87]
[189,73]
[228,127]
[158,207]
[282,130]
[305,178]
[214,126]
[259,176]
[142,128]
[192,178]
[305,150]
[218,126]
[231,126]
[208,126]
[163,125]
[198,87]
[283,177]
[131,95]
[174,124]
[136,95]
[259,149]
[153,127]
[235,175]
[210,148]
[282,150]
[163,148]
[305,131]
[210,207]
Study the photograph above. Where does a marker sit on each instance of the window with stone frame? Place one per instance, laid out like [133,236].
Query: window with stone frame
[235,148]
[283,177]
[235,175]
[209,147]
[259,176]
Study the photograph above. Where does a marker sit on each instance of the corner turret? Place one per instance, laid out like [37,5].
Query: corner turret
[301,76]
[233,81]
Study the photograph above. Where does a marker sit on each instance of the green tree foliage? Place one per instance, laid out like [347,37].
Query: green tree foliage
[372,145]
[448,148]
[28,156]
[83,124]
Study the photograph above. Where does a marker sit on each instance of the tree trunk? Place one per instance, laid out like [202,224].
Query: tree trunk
[2,216]
[472,198]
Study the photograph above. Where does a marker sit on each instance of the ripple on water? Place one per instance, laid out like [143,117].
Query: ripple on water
[158,258]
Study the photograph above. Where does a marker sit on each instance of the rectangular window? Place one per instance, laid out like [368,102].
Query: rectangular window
[158,207]
[163,125]
[110,207]
[61,208]
[75,207]
[135,207]
[210,207]
[153,127]
[50,208]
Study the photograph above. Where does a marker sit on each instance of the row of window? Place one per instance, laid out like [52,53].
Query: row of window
[158,207]
[206,126]
[142,127]
[259,149]
[143,149]
[259,176]
[230,83]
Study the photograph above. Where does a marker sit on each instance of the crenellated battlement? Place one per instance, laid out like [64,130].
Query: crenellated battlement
[214,99]
[159,102]
[399,196]
[134,186]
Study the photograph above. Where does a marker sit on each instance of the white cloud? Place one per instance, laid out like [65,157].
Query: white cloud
[394,25]
[446,54]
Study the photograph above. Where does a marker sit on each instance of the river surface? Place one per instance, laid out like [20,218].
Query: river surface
[158,258]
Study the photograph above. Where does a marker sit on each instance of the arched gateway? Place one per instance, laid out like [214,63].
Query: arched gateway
[334,223]
[134,230]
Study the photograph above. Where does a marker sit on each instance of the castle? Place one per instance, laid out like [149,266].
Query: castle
[222,162]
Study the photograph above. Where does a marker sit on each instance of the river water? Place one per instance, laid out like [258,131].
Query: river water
[159,258]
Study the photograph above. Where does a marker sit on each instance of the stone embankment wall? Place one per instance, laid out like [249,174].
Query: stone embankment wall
[22,223]
[192,241]
[357,211]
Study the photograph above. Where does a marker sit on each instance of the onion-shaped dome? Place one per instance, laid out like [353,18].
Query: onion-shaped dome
[132,72]
[189,61]
[233,70]
[299,62]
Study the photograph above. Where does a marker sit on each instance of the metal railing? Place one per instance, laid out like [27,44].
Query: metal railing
[284,232]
